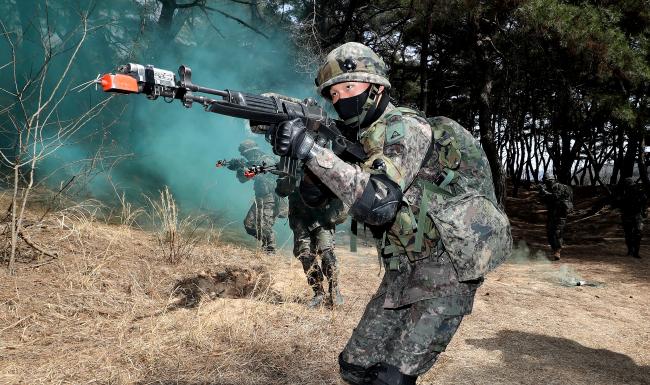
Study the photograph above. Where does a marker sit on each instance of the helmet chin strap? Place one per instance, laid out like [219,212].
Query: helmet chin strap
[368,107]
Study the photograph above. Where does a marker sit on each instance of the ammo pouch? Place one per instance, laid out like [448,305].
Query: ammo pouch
[416,238]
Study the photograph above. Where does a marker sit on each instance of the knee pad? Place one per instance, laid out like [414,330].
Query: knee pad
[305,253]
[307,259]
[390,375]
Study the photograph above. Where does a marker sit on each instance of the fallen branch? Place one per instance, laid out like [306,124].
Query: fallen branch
[35,246]
[584,218]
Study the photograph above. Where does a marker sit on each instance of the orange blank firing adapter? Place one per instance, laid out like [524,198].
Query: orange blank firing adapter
[120,83]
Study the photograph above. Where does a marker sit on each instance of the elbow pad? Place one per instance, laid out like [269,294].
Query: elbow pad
[379,202]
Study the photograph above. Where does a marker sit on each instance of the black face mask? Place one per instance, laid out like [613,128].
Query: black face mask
[351,107]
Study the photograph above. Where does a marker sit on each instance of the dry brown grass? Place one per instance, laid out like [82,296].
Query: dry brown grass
[177,235]
[100,314]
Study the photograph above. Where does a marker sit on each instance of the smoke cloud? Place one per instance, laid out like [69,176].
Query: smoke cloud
[164,144]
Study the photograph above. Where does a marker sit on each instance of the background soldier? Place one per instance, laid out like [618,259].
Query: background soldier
[435,254]
[268,205]
[558,199]
[632,200]
[313,227]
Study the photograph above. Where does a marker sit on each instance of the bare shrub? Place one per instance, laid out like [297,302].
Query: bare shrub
[129,214]
[177,236]
[32,114]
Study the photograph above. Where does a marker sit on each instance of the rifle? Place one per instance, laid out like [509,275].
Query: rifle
[260,110]
[255,169]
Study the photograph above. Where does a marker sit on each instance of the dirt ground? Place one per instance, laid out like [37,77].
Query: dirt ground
[106,312]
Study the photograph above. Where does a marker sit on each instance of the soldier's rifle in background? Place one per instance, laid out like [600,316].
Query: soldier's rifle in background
[254,170]
[261,110]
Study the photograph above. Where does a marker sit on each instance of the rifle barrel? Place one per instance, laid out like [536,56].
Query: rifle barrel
[206,90]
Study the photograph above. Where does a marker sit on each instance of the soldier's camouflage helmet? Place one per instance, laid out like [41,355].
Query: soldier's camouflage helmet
[351,62]
[548,176]
[247,145]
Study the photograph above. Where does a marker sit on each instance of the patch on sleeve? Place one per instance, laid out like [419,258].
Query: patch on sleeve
[325,159]
[394,130]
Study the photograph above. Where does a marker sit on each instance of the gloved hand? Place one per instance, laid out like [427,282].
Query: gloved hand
[292,139]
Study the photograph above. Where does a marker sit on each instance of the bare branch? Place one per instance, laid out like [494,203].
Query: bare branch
[240,21]
[212,24]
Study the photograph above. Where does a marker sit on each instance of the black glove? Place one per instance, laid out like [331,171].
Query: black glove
[292,139]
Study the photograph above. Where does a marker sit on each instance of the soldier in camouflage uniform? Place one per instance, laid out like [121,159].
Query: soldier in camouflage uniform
[425,191]
[632,200]
[265,209]
[313,227]
[558,199]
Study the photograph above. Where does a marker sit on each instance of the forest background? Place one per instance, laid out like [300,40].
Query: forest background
[547,85]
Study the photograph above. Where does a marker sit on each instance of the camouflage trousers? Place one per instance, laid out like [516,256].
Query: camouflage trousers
[555,231]
[260,219]
[307,245]
[409,337]
[633,228]
[315,241]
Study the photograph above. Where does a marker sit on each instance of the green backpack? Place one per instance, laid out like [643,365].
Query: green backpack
[472,226]
[454,186]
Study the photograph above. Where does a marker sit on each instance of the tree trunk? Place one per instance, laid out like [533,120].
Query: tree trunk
[627,168]
[487,137]
[166,14]
[618,162]
[643,168]
[424,58]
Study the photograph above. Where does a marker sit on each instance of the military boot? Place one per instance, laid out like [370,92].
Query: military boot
[268,244]
[318,299]
[556,255]
[314,277]
[331,271]
[335,297]
[390,375]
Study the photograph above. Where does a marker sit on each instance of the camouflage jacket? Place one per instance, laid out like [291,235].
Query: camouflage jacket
[559,200]
[461,216]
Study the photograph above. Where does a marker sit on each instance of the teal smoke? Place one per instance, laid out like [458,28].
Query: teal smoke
[167,144]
